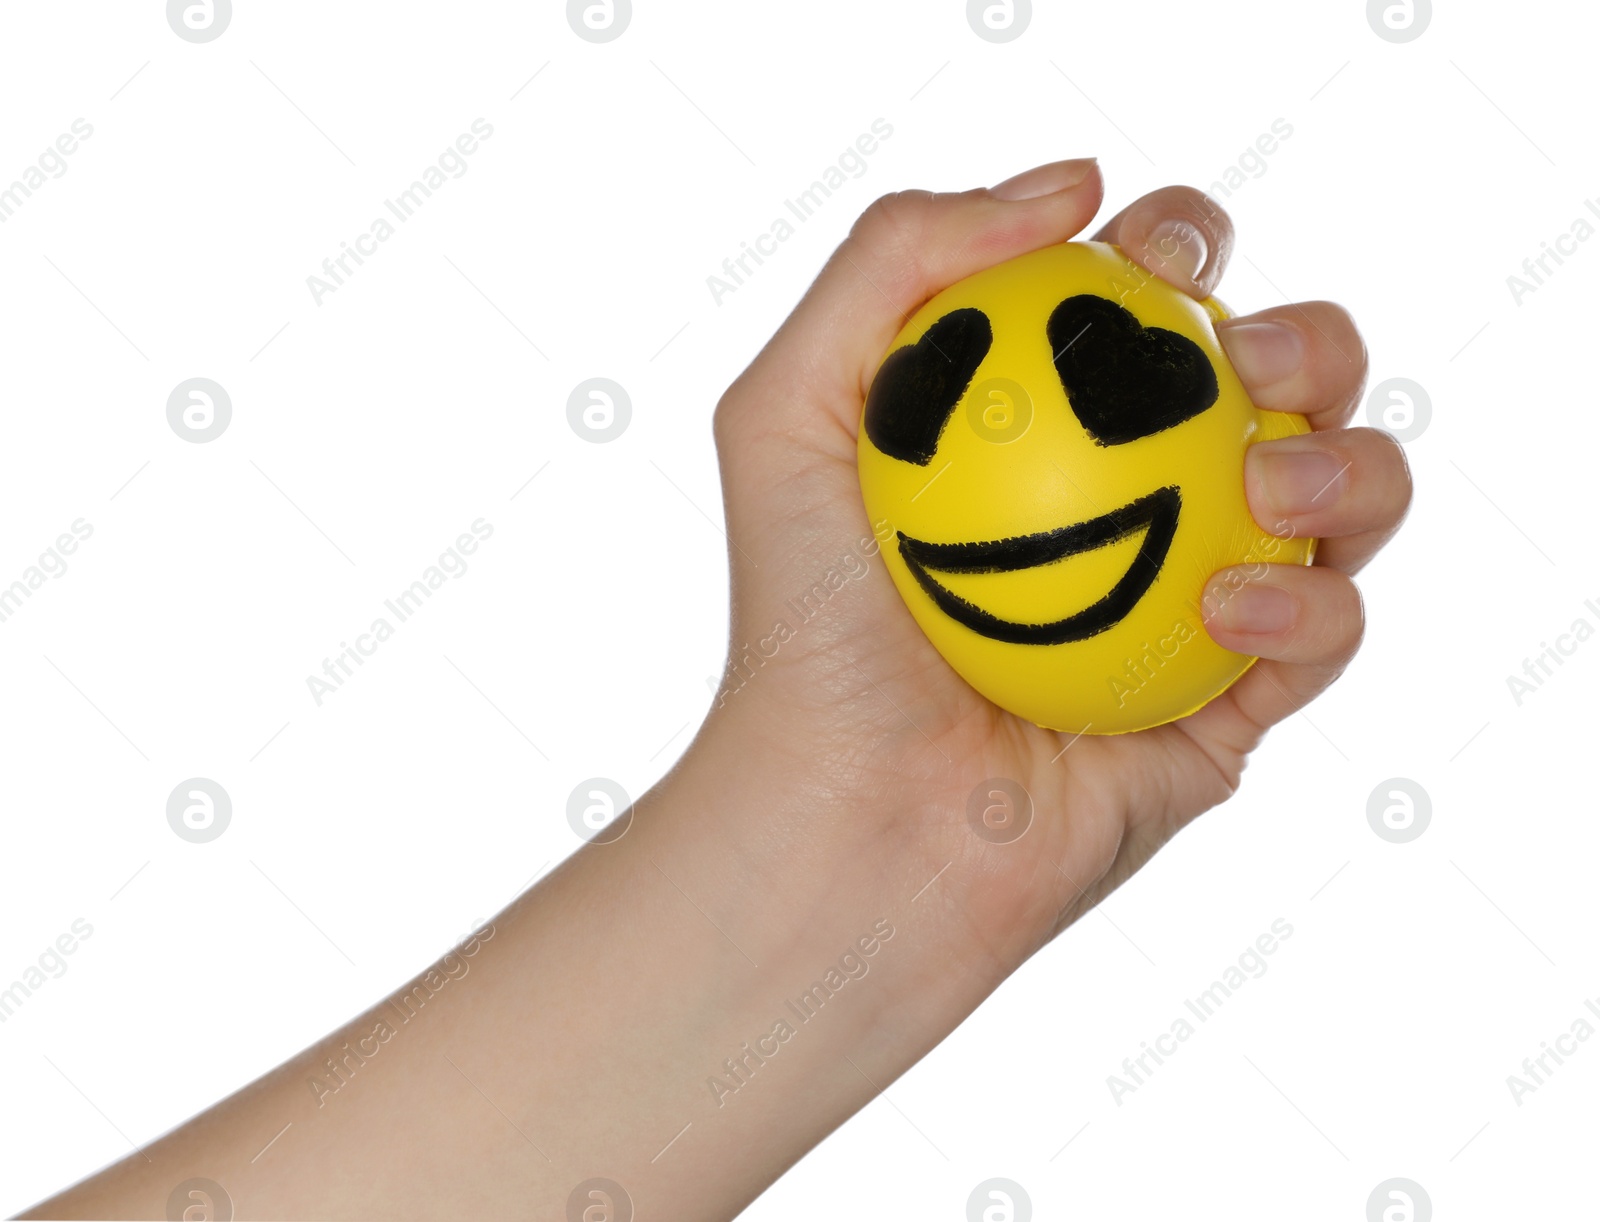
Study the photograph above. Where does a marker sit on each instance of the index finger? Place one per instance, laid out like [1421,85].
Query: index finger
[1180,234]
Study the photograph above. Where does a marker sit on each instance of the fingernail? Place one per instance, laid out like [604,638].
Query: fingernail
[1298,481]
[1179,246]
[1044,180]
[1262,352]
[1254,610]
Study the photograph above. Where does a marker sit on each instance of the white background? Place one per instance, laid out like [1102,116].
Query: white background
[372,429]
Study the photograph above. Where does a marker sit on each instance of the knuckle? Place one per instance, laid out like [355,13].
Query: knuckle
[1337,621]
[890,243]
[891,219]
[1186,203]
[1334,637]
[1344,350]
[1358,622]
[1403,484]
[1214,212]
[1386,458]
[1351,623]
[1193,207]
[1337,320]
[1203,208]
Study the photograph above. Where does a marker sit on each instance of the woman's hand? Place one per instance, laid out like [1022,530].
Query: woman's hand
[859,703]
[801,909]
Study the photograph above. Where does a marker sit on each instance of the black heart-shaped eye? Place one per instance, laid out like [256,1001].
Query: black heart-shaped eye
[918,386]
[1126,381]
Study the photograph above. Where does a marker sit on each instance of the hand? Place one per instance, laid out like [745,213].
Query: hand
[644,988]
[860,702]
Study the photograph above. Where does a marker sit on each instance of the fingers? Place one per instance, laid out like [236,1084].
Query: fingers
[1348,488]
[905,248]
[1306,358]
[1179,234]
[1305,624]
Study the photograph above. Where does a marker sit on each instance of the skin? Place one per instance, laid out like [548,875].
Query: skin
[825,796]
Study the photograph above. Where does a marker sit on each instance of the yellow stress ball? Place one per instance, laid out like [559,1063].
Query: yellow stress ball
[1053,452]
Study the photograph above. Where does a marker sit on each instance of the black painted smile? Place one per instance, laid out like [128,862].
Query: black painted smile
[1156,514]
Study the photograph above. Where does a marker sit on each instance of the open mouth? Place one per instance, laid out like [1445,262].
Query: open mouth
[1155,514]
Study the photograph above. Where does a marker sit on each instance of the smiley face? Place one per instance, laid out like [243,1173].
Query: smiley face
[1053,450]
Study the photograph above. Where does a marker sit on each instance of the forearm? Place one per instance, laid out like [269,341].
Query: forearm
[685,1012]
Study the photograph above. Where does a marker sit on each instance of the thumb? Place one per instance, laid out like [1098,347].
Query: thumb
[905,248]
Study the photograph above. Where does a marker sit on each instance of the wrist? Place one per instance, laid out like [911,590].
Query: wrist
[784,871]
[793,951]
